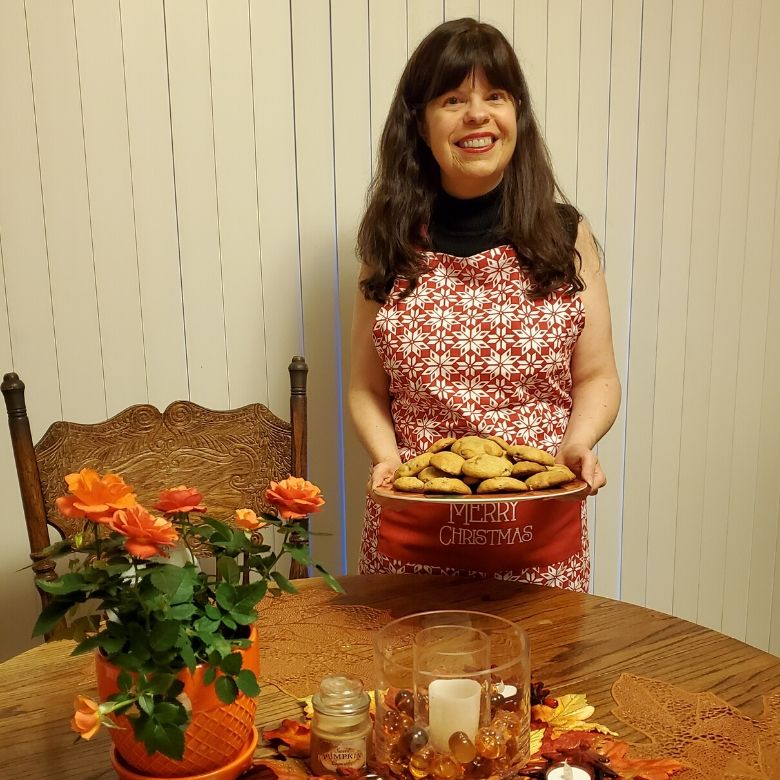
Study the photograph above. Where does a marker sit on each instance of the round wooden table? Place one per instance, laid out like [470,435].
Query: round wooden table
[579,643]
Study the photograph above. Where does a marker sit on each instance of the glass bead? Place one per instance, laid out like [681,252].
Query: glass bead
[404,702]
[480,768]
[496,700]
[445,767]
[490,743]
[510,722]
[462,748]
[421,762]
[416,738]
[392,723]
[422,706]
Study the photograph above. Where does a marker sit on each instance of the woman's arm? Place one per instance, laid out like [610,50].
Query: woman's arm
[369,395]
[595,382]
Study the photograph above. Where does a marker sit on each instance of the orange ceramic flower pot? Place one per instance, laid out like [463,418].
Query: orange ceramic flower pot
[218,733]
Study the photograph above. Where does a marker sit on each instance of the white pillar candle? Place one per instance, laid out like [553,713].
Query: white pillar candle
[453,705]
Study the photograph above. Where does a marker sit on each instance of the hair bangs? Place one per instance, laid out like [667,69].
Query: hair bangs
[474,50]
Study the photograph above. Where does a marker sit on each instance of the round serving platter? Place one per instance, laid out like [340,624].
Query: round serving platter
[577,488]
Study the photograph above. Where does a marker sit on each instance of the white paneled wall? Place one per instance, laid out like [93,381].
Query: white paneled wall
[180,184]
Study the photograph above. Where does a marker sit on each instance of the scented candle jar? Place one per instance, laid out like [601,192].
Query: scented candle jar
[452,697]
[341,726]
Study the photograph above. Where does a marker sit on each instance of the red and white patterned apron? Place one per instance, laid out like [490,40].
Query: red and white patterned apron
[469,353]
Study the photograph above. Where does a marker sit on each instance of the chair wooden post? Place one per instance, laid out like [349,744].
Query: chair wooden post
[299,465]
[29,480]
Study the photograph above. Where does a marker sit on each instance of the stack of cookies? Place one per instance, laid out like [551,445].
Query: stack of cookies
[476,464]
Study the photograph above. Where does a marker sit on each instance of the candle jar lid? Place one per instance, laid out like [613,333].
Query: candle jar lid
[341,694]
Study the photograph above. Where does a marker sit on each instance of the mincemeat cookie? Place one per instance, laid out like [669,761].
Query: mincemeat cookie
[471,446]
[553,477]
[448,462]
[442,444]
[521,452]
[447,485]
[414,466]
[486,466]
[431,472]
[498,440]
[525,468]
[501,485]
[409,484]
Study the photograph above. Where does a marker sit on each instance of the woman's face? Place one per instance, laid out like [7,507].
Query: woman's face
[472,132]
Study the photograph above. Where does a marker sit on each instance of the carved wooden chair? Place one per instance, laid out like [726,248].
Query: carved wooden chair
[230,456]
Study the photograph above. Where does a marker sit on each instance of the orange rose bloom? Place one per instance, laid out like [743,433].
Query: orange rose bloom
[146,534]
[95,497]
[246,518]
[180,500]
[86,720]
[294,497]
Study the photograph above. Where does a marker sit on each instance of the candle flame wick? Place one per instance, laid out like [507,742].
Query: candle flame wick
[567,773]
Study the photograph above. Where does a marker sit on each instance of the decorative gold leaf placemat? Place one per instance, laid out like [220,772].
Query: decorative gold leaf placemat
[303,640]
[701,730]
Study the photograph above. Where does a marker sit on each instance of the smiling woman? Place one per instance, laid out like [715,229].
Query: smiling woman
[482,309]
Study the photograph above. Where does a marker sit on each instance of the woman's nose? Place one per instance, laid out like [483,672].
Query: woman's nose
[476,111]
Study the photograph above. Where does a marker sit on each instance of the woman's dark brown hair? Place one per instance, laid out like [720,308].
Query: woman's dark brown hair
[392,235]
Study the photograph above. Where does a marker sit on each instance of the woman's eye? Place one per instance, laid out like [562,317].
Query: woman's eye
[497,96]
[451,100]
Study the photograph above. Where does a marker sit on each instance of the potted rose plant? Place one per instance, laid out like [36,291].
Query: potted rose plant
[160,628]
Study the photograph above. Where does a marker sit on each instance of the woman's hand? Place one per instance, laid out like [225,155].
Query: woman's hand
[382,474]
[584,463]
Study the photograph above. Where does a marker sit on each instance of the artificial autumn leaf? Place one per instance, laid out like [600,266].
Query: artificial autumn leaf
[637,768]
[537,735]
[294,734]
[571,714]
[291,769]
[567,740]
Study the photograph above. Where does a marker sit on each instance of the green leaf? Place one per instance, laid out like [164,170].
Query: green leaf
[226,595]
[226,689]
[67,583]
[223,533]
[188,656]
[111,644]
[212,612]
[163,635]
[87,645]
[50,616]
[174,745]
[231,664]
[124,680]
[300,554]
[244,618]
[251,593]
[167,579]
[168,712]
[228,569]
[332,582]
[181,611]
[247,683]
[283,582]
[209,675]
[229,622]
[160,683]
[146,703]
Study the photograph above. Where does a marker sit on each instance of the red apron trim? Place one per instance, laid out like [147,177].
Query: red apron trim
[482,537]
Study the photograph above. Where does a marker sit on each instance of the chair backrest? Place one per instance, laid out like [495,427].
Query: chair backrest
[230,456]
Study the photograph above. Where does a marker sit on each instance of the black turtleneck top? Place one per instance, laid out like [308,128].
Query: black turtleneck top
[466,227]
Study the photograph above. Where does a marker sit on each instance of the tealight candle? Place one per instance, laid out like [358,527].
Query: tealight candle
[453,705]
[566,771]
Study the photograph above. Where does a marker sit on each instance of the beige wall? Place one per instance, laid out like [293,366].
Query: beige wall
[180,183]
